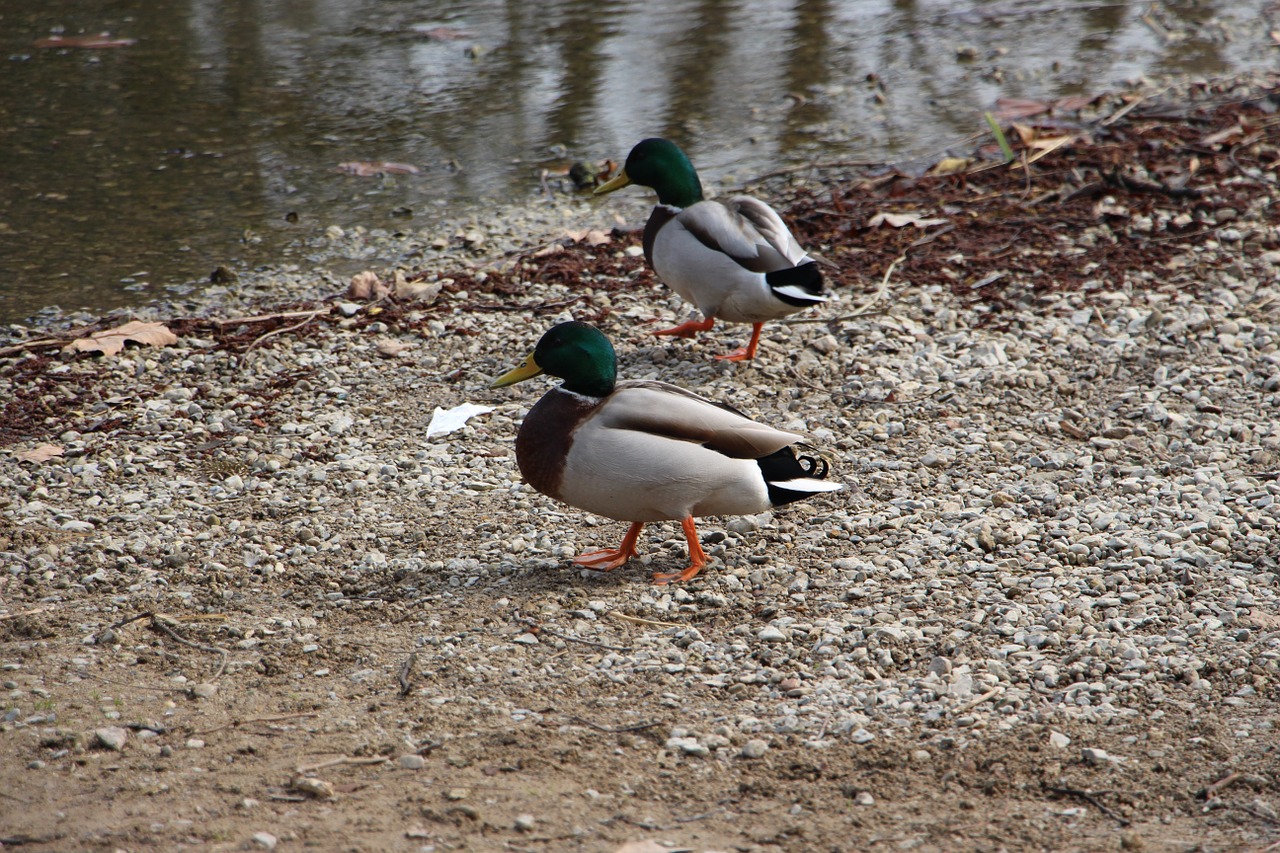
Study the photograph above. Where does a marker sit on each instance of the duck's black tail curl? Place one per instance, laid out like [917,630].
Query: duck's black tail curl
[800,286]
[789,477]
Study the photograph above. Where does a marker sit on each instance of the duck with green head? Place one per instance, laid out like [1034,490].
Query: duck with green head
[643,451]
[735,259]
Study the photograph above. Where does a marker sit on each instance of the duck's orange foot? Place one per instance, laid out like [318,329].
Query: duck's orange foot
[608,559]
[697,559]
[688,329]
[749,351]
[664,578]
[740,354]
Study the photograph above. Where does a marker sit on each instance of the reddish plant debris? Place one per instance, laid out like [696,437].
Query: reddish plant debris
[1125,197]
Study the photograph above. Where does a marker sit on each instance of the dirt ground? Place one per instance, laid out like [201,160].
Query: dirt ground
[364,737]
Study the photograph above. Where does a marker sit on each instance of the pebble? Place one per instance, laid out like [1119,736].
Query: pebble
[112,737]
[265,840]
[1031,535]
[525,823]
[412,762]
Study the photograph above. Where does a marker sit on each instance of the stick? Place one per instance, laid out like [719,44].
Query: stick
[311,316]
[969,706]
[1092,800]
[545,630]
[1212,790]
[637,620]
[406,686]
[304,769]
[234,724]
[160,621]
[613,730]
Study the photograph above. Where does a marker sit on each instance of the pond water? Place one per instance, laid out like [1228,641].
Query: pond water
[214,136]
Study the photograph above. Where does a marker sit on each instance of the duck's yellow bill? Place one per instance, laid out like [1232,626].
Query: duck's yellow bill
[617,182]
[527,370]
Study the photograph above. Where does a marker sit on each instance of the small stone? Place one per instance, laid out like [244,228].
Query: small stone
[772,634]
[864,798]
[1058,740]
[265,840]
[456,794]
[754,748]
[204,690]
[1092,755]
[195,743]
[525,823]
[412,762]
[348,309]
[862,736]
[312,787]
[112,737]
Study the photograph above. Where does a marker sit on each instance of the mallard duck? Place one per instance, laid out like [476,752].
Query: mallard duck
[642,451]
[736,260]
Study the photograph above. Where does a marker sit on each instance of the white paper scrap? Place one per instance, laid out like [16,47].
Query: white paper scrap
[444,422]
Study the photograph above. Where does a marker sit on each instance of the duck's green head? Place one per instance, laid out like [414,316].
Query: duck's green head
[660,165]
[577,353]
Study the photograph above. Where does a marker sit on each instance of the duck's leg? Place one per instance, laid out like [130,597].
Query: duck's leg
[749,351]
[689,329]
[697,559]
[608,559]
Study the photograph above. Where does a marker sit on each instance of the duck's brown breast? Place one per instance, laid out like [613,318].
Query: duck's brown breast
[545,436]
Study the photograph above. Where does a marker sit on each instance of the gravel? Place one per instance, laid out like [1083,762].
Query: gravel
[1069,514]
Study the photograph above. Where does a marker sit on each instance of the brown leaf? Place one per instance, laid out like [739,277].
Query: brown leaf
[364,169]
[102,41]
[366,286]
[39,453]
[416,290]
[112,341]
[590,236]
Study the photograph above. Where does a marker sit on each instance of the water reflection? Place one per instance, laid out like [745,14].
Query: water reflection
[215,138]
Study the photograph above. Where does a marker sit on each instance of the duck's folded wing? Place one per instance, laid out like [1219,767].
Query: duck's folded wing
[745,229]
[665,410]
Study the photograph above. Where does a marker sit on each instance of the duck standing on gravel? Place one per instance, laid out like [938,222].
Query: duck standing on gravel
[736,260]
[642,451]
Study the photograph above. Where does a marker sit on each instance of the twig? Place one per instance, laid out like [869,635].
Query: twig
[262,318]
[969,706]
[1211,791]
[304,769]
[613,730]
[542,629]
[637,620]
[235,724]
[31,612]
[161,621]
[406,668]
[311,315]
[1092,799]
[883,289]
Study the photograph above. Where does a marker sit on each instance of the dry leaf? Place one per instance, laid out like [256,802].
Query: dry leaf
[366,286]
[416,290]
[1222,136]
[901,220]
[950,165]
[112,341]
[548,251]
[363,169]
[590,236]
[391,348]
[39,453]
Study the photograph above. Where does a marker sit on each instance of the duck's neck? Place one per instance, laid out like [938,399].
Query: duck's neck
[591,383]
[680,188]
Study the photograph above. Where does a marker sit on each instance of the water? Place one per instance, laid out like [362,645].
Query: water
[215,139]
